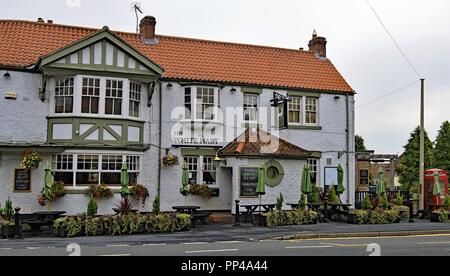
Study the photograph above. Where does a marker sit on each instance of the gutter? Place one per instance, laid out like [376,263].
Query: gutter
[347,145]
[159,140]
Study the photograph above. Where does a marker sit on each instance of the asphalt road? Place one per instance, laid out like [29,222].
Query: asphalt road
[432,245]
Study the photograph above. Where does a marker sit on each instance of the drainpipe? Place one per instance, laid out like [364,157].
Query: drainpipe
[348,145]
[159,140]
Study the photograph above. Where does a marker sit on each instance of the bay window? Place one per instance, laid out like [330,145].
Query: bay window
[64,95]
[113,97]
[135,99]
[90,95]
[83,170]
[97,96]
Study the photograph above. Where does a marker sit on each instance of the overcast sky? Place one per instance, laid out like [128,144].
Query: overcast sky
[357,45]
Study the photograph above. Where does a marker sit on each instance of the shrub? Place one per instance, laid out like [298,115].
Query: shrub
[403,211]
[140,192]
[398,200]
[156,206]
[361,216]
[7,211]
[92,207]
[314,196]
[124,206]
[120,224]
[366,203]
[333,197]
[286,218]
[93,226]
[442,215]
[380,216]
[446,204]
[280,200]
[302,202]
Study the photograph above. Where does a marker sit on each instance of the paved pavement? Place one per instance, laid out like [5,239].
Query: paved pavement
[250,239]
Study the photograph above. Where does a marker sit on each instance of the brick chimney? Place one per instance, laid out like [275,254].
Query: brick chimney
[318,45]
[147,30]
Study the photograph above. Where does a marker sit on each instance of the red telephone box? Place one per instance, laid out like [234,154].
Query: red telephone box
[429,185]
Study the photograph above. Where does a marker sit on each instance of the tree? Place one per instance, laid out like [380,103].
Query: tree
[442,148]
[411,157]
[359,142]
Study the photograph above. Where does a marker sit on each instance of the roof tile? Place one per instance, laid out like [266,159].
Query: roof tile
[22,43]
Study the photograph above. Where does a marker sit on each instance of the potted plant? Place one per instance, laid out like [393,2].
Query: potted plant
[125,206]
[58,191]
[100,192]
[31,160]
[170,160]
[140,192]
[200,190]
[7,225]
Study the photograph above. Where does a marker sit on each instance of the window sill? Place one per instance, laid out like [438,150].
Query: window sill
[305,127]
[84,191]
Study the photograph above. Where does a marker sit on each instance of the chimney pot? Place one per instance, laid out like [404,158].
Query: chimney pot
[318,45]
[147,30]
[50,21]
[40,20]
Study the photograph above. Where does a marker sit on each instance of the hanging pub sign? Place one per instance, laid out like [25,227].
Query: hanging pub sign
[22,180]
[249,181]
[280,102]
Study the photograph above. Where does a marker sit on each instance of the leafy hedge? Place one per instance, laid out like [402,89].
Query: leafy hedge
[82,225]
[285,218]
[378,216]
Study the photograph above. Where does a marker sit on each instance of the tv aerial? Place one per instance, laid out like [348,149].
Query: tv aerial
[137,8]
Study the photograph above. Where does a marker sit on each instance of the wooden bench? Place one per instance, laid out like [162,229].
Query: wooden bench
[200,217]
[36,224]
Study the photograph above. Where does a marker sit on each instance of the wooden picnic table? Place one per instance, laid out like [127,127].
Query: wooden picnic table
[257,208]
[186,209]
[42,219]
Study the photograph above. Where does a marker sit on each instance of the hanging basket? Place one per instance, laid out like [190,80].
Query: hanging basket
[31,160]
[170,160]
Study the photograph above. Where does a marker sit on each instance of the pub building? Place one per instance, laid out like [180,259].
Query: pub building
[89,100]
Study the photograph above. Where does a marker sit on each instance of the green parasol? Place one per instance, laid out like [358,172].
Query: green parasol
[124,181]
[185,182]
[437,184]
[48,182]
[306,186]
[380,187]
[340,189]
[261,187]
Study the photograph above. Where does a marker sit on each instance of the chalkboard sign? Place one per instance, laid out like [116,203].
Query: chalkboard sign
[22,180]
[249,181]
